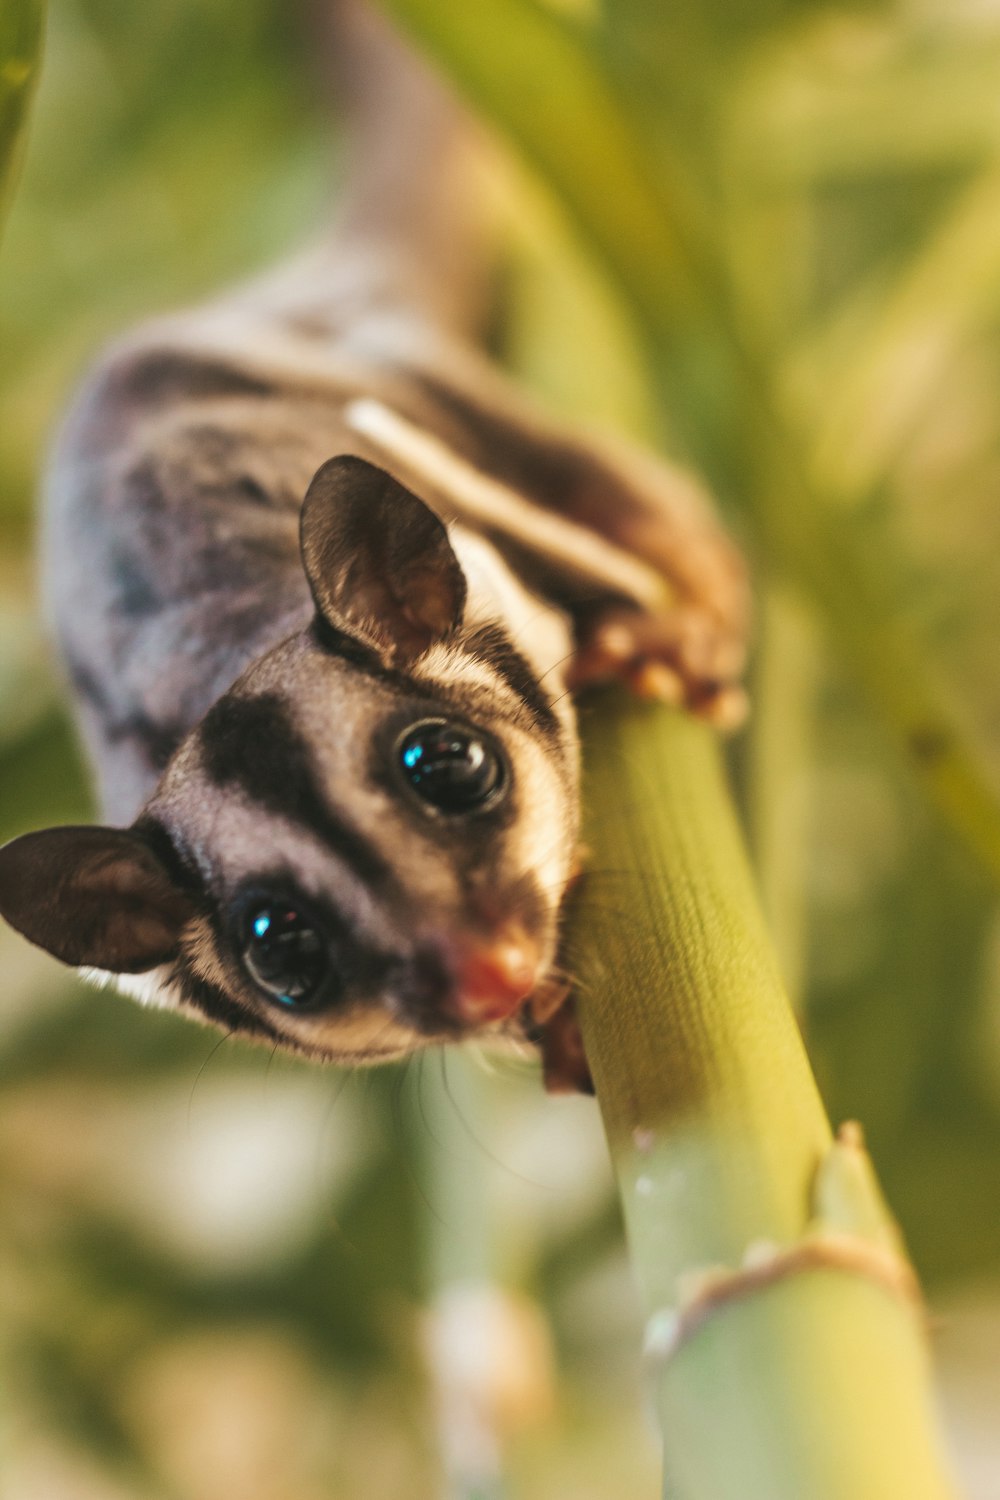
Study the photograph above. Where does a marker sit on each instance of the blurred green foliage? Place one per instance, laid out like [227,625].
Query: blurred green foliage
[20,44]
[815,297]
[769,237]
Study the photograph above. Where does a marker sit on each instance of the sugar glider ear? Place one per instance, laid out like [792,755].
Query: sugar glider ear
[96,897]
[379,562]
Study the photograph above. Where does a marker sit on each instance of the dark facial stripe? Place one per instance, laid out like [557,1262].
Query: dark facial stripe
[348,649]
[217,1006]
[251,743]
[179,866]
[491,645]
[338,643]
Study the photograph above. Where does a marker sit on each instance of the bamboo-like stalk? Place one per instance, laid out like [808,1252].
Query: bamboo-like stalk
[785,1330]
[785,690]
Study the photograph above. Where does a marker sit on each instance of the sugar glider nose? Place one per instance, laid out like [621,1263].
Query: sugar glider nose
[494,975]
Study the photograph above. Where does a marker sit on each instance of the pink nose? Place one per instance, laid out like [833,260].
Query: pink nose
[492,979]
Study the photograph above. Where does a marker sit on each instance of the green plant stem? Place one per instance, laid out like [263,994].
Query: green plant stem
[811,1381]
[785,690]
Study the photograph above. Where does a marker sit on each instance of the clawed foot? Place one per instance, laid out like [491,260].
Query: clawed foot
[557,1032]
[685,656]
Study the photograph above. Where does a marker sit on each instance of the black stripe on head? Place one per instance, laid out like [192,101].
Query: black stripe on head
[355,653]
[348,648]
[251,743]
[178,864]
[491,645]
[217,1006]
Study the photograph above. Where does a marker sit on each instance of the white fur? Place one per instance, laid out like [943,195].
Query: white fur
[150,989]
[488,502]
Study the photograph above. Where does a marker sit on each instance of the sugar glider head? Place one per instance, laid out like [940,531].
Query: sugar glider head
[364,844]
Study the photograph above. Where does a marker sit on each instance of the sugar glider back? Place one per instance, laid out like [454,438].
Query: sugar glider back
[323,581]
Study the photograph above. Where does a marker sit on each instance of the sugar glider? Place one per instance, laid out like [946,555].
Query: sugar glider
[323,581]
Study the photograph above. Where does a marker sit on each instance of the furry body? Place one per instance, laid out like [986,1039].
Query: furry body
[284,529]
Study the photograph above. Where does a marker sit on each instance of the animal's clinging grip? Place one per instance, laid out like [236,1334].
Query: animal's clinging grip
[323,582]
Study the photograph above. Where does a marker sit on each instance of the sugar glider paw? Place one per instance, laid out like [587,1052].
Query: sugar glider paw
[557,1032]
[687,655]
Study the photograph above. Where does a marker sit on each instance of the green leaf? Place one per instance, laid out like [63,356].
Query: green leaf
[539,76]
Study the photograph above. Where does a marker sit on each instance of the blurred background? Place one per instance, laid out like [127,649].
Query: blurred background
[216,1264]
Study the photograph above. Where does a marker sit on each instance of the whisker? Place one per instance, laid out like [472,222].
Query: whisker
[560,663]
[270,1064]
[401,1075]
[346,1075]
[422,1108]
[474,1138]
[226,1036]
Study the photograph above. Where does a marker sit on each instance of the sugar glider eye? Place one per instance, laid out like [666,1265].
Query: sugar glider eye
[454,768]
[285,955]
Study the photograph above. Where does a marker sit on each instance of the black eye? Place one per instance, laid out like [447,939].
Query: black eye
[450,766]
[285,954]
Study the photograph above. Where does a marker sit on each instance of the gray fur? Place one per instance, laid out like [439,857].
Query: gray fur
[239,689]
